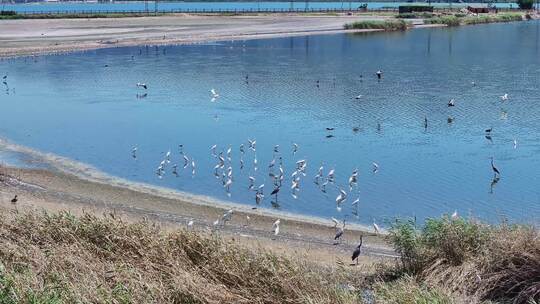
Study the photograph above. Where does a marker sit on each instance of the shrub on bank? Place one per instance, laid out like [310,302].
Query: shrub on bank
[8,13]
[387,25]
[454,20]
[449,20]
[466,257]
[493,18]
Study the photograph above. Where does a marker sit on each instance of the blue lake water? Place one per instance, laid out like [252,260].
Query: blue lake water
[223,6]
[86,106]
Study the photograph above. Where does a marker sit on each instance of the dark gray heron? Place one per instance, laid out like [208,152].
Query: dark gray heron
[495,170]
[339,233]
[357,250]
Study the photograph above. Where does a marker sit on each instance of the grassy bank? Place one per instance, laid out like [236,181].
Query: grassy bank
[387,25]
[60,258]
[481,263]
[456,20]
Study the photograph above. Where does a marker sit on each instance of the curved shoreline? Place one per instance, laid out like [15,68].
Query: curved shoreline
[66,185]
[27,37]
[89,173]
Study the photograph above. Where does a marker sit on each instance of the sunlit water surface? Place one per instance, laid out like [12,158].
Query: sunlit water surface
[85,106]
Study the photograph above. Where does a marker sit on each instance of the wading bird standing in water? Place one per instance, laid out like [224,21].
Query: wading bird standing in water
[375,167]
[357,250]
[495,170]
[215,95]
[295,148]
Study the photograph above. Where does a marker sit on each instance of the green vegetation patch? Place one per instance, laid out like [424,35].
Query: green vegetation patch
[492,263]
[387,25]
[454,20]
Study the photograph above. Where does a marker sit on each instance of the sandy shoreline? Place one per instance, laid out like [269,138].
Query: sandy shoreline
[54,191]
[46,36]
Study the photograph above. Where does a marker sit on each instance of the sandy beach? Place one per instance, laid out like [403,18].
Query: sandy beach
[39,36]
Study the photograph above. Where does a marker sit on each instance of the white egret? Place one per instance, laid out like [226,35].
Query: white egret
[376,227]
[275,227]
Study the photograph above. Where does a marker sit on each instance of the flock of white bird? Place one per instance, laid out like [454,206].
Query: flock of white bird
[223,171]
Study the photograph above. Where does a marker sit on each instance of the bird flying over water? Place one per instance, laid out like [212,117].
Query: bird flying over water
[142,85]
[504,97]
[451,102]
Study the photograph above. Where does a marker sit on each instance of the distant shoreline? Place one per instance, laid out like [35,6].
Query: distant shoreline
[34,37]
[27,37]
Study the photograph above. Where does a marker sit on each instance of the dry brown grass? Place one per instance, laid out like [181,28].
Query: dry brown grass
[485,263]
[60,258]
